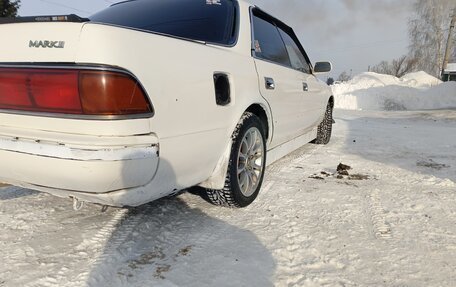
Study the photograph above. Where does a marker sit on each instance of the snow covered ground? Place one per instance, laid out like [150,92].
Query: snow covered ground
[390,222]
[415,91]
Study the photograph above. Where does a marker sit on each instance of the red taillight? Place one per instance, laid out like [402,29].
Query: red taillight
[56,91]
[13,90]
[83,92]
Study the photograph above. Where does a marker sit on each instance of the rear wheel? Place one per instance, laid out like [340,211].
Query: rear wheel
[325,127]
[246,167]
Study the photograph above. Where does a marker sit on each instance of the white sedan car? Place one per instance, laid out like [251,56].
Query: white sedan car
[148,98]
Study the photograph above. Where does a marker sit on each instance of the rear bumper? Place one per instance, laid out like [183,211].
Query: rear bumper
[98,165]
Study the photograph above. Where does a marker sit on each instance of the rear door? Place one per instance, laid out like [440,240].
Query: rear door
[280,84]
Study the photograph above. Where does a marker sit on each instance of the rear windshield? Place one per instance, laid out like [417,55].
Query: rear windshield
[212,21]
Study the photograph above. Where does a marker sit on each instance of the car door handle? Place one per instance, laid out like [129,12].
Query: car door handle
[270,85]
[305,87]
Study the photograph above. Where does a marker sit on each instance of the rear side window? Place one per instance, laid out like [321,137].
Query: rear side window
[212,21]
[268,42]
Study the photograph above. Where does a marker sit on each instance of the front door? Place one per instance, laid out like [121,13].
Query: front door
[312,89]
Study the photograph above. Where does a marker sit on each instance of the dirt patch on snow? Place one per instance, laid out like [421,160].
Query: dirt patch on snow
[147,258]
[358,176]
[159,272]
[185,251]
[342,173]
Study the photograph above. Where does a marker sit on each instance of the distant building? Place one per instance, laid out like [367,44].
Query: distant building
[450,73]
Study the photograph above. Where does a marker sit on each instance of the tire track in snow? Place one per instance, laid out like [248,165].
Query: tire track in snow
[110,257]
[302,153]
[297,261]
[87,249]
[380,227]
[112,238]
[172,232]
[289,257]
[263,202]
[288,266]
[113,257]
[102,254]
[199,242]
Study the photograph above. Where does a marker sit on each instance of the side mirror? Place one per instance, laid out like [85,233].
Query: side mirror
[322,67]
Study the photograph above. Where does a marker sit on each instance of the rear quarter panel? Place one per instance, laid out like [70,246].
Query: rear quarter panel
[178,77]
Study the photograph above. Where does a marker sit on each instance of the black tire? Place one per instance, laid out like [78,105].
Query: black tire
[232,195]
[325,127]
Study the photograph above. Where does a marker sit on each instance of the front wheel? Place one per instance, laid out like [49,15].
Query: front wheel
[246,166]
[325,128]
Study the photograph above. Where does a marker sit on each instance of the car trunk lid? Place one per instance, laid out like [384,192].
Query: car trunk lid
[45,39]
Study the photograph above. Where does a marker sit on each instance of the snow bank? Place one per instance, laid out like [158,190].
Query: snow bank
[415,91]
[421,79]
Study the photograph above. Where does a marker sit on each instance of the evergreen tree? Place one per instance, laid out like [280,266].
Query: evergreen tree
[8,8]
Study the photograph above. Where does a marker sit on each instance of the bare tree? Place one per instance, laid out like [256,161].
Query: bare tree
[428,31]
[382,68]
[344,77]
[398,67]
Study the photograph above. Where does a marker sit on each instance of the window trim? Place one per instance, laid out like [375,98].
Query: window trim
[281,40]
[279,25]
[288,52]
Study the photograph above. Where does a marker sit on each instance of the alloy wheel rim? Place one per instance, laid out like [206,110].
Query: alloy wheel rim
[250,161]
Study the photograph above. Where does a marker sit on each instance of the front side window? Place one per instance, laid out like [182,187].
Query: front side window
[212,21]
[297,59]
[268,43]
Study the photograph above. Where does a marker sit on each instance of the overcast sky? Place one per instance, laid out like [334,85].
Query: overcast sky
[352,34]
